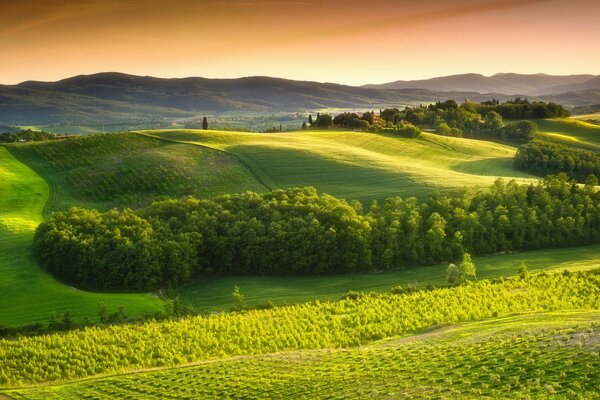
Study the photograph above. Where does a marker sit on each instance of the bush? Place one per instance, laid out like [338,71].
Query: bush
[408,130]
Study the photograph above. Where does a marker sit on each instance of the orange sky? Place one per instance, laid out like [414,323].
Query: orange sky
[346,41]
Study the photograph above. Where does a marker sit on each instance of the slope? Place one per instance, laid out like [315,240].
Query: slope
[460,361]
[533,84]
[214,293]
[356,165]
[570,131]
[28,294]
[117,170]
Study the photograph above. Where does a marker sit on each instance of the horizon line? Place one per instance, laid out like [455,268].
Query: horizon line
[291,79]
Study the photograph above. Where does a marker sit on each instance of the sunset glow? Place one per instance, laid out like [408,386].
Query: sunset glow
[345,41]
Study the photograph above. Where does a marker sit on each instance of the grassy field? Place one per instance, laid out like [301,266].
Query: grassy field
[27,294]
[356,165]
[214,294]
[541,355]
[570,131]
[116,170]
[591,118]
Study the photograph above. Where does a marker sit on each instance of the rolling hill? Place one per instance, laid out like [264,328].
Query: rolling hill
[570,131]
[27,293]
[532,85]
[120,98]
[449,362]
[357,165]
[543,328]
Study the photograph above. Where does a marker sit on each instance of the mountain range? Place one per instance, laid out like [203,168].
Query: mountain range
[531,85]
[116,97]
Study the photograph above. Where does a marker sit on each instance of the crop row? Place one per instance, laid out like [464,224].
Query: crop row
[346,323]
[543,363]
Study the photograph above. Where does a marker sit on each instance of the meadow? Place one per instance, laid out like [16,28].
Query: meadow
[570,131]
[214,294]
[357,165]
[542,355]
[27,293]
[117,170]
[591,118]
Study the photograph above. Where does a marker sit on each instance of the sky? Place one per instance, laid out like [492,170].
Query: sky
[343,41]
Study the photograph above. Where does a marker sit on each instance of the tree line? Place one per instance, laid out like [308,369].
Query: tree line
[543,158]
[300,231]
[485,120]
[25,135]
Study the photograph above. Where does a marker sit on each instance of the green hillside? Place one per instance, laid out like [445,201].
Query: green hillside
[230,343]
[551,355]
[591,118]
[570,131]
[214,294]
[27,294]
[357,165]
[114,170]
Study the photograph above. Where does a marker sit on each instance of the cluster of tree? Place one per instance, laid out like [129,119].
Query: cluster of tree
[449,118]
[401,129]
[367,122]
[114,250]
[493,126]
[522,109]
[553,213]
[298,231]
[275,129]
[354,121]
[25,136]
[544,158]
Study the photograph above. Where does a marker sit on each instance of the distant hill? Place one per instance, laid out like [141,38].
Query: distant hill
[532,85]
[116,97]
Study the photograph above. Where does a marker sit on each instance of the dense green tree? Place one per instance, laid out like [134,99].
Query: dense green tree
[299,231]
[544,158]
[323,121]
[493,121]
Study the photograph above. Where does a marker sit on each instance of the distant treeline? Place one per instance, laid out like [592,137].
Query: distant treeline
[476,119]
[449,118]
[522,109]
[544,158]
[25,136]
[299,231]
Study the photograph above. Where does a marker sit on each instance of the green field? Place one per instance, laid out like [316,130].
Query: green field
[571,132]
[116,170]
[357,165]
[536,327]
[214,294]
[27,294]
[550,355]
[104,171]
[591,118]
